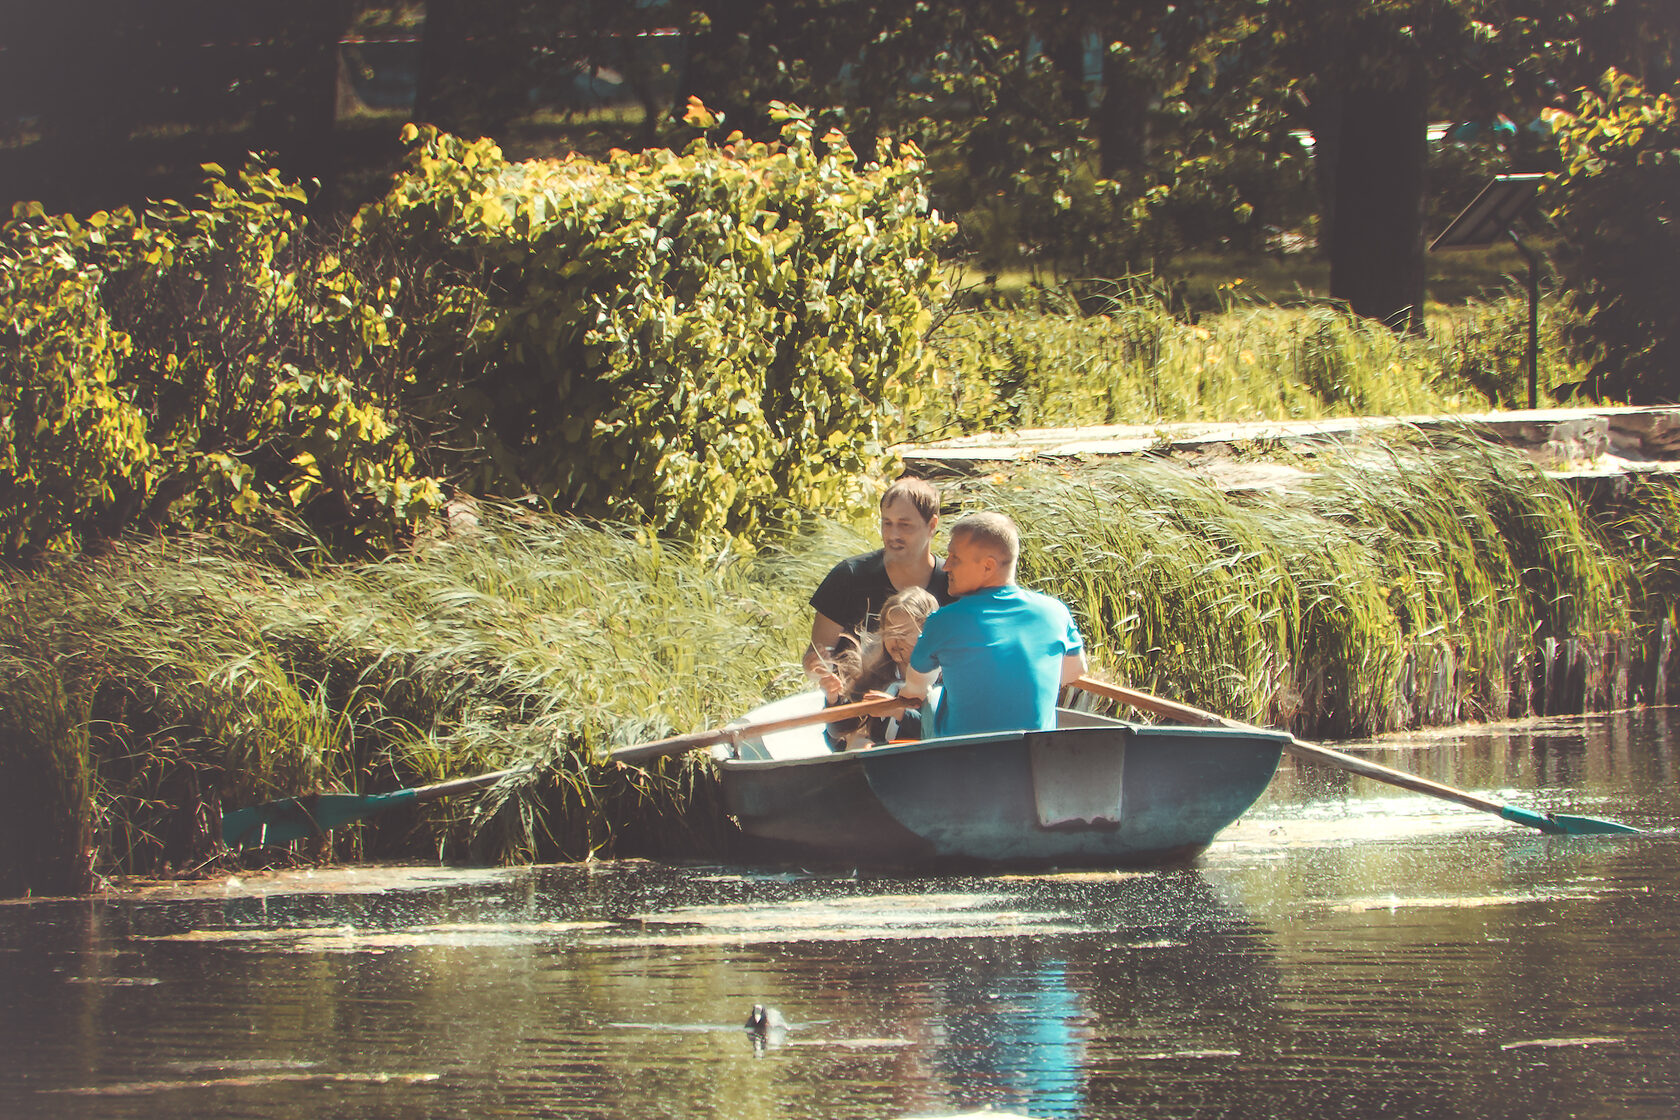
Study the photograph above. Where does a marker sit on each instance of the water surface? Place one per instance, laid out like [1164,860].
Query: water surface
[1347,949]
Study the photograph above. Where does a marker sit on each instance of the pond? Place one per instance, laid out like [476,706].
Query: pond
[1347,949]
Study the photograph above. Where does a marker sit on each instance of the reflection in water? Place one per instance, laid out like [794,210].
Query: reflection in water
[1017,1041]
[1344,950]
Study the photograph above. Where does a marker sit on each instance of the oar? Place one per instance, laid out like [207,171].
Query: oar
[293,818]
[682,744]
[1545,822]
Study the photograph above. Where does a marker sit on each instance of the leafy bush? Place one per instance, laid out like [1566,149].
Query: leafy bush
[1617,201]
[257,400]
[695,341]
[190,364]
[70,434]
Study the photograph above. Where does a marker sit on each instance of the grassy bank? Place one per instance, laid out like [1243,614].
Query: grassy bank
[1401,584]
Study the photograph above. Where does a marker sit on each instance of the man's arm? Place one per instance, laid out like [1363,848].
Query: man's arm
[1073,666]
[819,655]
[914,690]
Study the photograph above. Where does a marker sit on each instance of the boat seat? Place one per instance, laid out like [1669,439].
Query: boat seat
[1072,717]
[797,742]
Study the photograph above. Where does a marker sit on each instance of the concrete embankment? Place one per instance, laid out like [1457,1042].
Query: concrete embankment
[1596,452]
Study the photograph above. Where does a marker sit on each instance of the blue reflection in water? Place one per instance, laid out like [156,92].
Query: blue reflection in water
[1017,1042]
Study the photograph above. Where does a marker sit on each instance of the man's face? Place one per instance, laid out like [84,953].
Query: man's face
[904,534]
[968,568]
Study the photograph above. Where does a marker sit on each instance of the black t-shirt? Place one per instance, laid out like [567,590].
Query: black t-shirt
[853,592]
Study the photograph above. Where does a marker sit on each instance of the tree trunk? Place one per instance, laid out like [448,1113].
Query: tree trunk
[299,117]
[1376,228]
[1067,54]
[1122,117]
[1324,119]
[443,65]
[717,59]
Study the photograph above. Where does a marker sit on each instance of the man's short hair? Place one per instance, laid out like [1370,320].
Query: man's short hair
[993,532]
[919,492]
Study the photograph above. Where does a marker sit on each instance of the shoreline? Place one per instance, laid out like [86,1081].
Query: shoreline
[1589,450]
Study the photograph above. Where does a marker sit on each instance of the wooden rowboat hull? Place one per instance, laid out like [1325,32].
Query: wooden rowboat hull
[1108,794]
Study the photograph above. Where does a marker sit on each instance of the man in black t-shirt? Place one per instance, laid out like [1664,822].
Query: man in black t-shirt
[850,596]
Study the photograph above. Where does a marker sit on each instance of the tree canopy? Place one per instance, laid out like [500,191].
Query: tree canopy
[1097,138]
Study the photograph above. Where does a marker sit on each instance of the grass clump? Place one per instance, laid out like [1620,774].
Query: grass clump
[1122,356]
[205,672]
[1399,584]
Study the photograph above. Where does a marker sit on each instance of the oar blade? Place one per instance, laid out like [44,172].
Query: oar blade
[1562,824]
[296,818]
[1590,826]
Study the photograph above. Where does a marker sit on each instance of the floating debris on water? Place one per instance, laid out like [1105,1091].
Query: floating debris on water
[1072,877]
[857,918]
[1467,902]
[1559,1043]
[115,981]
[245,1081]
[349,939]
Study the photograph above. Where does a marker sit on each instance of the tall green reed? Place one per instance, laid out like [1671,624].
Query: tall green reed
[1399,582]
[1396,584]
[534,643]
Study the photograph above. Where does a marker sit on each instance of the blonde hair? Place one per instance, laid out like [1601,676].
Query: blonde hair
[862,667]
[906,610]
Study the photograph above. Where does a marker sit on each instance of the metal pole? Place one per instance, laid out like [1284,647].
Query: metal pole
[1533,259]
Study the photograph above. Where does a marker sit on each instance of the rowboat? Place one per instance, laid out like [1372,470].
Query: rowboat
[1096,791]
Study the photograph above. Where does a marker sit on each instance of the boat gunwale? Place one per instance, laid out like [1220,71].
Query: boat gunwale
[951,742]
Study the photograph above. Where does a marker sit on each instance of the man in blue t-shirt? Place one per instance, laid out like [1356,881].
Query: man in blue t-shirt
[1001,652]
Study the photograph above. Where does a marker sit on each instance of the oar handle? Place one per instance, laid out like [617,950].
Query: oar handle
[682,744]
[1155,705]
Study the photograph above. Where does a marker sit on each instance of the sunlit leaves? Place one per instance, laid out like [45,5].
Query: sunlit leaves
[700,341]
[1615,203]
[194,363]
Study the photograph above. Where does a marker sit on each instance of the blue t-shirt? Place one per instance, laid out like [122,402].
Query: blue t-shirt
[1000,650]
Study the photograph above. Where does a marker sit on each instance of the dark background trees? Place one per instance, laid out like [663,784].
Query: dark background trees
[1099,137]
[104,103]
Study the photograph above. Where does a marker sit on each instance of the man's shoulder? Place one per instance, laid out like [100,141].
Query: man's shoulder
[845,591]
[1039,597]
[1041,603]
